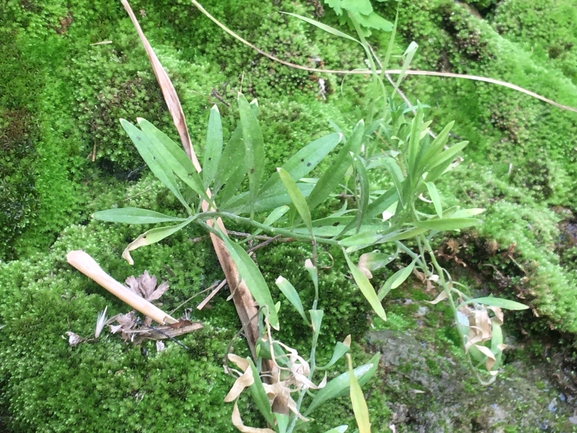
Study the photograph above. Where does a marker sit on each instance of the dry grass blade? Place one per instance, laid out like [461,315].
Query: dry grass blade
[168,91]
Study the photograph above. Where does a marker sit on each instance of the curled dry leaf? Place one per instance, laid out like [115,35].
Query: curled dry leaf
[237,422]
[145,286]
[481,330]
[74,339]
[364,266]
[295,378]
[126,322]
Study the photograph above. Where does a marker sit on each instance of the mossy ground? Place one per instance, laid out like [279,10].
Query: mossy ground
[59,108]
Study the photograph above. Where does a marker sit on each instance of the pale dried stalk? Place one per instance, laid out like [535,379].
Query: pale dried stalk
[88,266]
[388,71]
[244,302]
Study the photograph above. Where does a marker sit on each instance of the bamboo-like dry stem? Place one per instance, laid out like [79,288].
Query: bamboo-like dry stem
[89,267]
[244,302]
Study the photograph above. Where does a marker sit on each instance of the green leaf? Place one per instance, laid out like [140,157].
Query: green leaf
[292,295]
[374,21]
[275,215]
[338,352]
[434,194]
[358,401]
[316,321]
[361,240]
[407,59]
[163,147]
[302,162]
[330,179]
[396,280]
[363,201]
[497,302]
[399,235]
[253,146]
[134,215]
[445,156]
[282,420]
[366,288]
[253,278]
[213,149]
[259,394]
[382,203]
[339,386]
[414,143]
[339,429]
[159,167]
[467,213]
[231,167]
[436,147]
[297,198]
[447,223]
[153,236]
[396,174]
[324,27]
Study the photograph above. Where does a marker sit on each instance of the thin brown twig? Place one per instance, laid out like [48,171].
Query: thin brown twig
[388,71]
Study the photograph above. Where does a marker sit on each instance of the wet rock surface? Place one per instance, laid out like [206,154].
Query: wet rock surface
[428,392]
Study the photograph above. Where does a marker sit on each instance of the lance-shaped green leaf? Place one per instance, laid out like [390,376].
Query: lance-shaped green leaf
[396,280]
[330,179]
[292,295]
[339,386]
[213,149]
[259,394]
[366,288]
[338,352]
[414,143]
[361,240]
[497,302]
[443,157]
[407,59]
[163,147]
[273,217]
[302,162]
[466,213]
[364,189]
[134,215]
[396,174]
[497,344]
[253,146]
[339,429]
[253,279]
[435,197]
[231,167]
[382,203]
[316,321]
[297,198]
[159,167]
[239,204]
[447,223]
[153,236]
[399,235]
[282,421]
[358,401]
[436,147]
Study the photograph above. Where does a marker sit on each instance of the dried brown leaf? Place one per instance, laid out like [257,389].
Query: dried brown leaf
[74,339]
[160,290]
[237,422]
[244,381]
